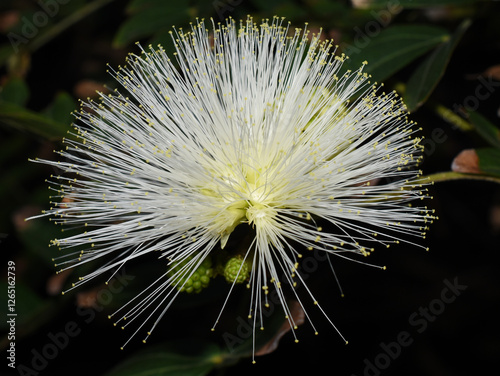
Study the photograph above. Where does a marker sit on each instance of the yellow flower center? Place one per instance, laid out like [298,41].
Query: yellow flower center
[248,201]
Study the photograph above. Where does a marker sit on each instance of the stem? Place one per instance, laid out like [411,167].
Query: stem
[66,23]
[450,175]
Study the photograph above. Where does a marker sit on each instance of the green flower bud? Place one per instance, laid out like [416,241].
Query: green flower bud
[236,270]
[199,280]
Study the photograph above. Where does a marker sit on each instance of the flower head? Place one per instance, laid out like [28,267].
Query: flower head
[258,128]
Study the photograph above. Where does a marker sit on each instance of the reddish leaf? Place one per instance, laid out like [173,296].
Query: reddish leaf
[298,317]
[467,161]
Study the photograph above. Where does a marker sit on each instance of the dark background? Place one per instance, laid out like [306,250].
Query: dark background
[464,243]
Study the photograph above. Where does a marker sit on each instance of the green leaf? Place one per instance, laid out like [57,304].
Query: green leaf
[489,160]
[26,120]
[486,129]
[393,48]
[15,91]
[425,78]
[176,358]
[150,17]
[61,108]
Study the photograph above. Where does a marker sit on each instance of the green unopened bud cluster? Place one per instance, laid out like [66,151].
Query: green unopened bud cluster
[237,270]
[197,281]
[234,270]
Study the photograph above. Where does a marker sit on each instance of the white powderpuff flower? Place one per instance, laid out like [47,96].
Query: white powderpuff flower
[257,127]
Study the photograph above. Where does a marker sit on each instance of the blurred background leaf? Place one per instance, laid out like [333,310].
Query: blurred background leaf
[23,119]
[485,128]
[151,17]
[61,109]
[394,48]
[15,91]
[427,75]
[489,160]
[188,357]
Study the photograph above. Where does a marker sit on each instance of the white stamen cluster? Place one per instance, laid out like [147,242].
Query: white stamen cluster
[257,126]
